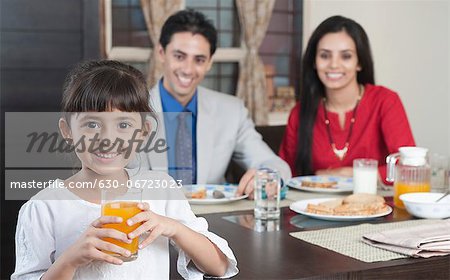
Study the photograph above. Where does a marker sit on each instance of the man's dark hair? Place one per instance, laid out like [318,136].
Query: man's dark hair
[189,21]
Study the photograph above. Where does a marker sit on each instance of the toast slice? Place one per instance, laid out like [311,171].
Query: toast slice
[353,205]
[312,184]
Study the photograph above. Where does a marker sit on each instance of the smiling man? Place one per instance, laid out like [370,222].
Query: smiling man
[204,129]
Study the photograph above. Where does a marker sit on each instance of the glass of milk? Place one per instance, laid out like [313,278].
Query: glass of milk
[365,175]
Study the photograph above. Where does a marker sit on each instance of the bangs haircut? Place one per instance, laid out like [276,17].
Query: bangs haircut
[102,86]
[105,85]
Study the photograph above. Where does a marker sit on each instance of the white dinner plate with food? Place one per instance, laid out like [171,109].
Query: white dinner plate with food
[204,194]
[322,184]
[301,206]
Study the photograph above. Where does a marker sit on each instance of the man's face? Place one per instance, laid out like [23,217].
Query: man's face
[186,60]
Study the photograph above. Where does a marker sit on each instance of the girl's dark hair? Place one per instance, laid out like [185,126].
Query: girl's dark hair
[189,21]
[99,86]
[312,90]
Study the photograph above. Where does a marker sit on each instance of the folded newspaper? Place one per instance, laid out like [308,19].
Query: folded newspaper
[420,241]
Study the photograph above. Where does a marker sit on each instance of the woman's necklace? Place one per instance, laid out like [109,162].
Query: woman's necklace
[340,153]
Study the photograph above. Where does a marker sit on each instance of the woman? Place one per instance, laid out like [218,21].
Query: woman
[341,114]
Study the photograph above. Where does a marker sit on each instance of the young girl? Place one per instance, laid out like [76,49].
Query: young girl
[59,231]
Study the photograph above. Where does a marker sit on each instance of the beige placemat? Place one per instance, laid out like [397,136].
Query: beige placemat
[240,205]
[348,240]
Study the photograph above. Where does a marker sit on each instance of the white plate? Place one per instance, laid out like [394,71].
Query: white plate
[300,207]
[344,184]
[228,190]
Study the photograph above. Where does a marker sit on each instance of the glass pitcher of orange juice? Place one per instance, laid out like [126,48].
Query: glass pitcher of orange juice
[410,171]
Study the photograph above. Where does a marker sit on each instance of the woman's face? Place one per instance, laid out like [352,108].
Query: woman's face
[105,142]
[337,61]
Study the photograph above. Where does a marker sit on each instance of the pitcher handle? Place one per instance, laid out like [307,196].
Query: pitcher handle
[390,165]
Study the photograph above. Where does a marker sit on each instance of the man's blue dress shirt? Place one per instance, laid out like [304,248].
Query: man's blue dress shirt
[172,108]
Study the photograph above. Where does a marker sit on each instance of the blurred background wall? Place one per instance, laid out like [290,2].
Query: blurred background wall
[40,40]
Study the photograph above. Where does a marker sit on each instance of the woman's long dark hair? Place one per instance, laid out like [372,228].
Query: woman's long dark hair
[312,90]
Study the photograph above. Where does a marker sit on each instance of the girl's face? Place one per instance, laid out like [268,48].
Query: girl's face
[337,61]
[105,142]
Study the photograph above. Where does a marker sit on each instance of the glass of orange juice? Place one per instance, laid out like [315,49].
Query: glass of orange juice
[125,205]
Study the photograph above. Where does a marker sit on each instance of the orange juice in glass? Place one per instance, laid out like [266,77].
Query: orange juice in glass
[124,206]
[405,187]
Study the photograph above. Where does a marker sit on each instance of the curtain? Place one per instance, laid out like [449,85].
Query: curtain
[156,13]
[254,16]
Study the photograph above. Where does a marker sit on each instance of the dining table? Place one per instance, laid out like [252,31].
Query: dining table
[267,249]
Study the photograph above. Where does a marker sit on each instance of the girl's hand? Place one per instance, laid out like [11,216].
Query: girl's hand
[153,223]
[90,246]
[205,255]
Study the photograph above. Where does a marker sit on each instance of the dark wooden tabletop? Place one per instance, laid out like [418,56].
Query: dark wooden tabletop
[277,255]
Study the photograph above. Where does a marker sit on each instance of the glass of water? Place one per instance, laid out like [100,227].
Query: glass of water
[267,194]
